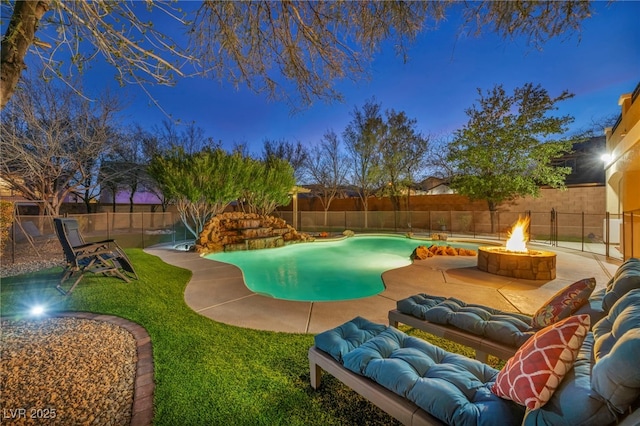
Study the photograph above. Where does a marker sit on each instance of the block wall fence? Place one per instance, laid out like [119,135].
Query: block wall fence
[587,199]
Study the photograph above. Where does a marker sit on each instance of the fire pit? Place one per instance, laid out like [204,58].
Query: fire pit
[516,260]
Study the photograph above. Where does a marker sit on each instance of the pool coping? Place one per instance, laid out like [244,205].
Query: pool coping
[217,290]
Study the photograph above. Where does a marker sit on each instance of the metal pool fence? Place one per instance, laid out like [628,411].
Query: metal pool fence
[596,233]
[33,236]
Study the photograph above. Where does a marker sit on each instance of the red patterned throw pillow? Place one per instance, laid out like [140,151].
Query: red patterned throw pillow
[564,303]
[535,371]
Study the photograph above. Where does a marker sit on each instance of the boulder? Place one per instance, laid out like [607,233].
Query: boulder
[234,230]
[422,252]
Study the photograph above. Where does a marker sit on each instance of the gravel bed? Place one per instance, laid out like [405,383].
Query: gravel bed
[66,371]
[12,269]
[23,259]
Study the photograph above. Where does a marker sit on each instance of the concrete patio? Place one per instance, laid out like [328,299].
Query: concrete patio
[217,290]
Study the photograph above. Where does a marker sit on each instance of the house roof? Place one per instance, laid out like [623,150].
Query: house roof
[585,162]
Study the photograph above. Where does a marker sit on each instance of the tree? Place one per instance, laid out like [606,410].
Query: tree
[88,190]
[436,159]
[362,140]
[263,45]
[111,178]
[51,139]
[506,148]
[127,164]
[296,155]
[268,184]
[199,183]
[402,153]
[166,138]
[596,125]
[327,168]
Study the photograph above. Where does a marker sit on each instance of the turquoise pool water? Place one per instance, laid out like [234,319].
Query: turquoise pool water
[325,271]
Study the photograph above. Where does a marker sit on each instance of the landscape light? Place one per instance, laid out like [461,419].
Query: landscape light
[37,310]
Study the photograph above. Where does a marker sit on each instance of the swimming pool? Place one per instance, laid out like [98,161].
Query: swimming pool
[325,270]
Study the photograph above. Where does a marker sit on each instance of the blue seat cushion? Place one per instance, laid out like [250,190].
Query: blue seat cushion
[453,388]
[626,278]
[616,372]
[509,328]
[343,339]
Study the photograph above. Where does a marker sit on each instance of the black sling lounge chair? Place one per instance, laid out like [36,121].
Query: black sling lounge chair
[102,257]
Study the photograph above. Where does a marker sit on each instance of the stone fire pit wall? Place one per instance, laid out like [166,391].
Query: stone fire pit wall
[534,265]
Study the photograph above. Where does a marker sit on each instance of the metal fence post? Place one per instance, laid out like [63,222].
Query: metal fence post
[473,222]
[13,236]
[606,234]
[551,226]
[410,222]
[582,230]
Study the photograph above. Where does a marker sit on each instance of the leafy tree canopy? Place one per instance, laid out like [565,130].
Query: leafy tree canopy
[198,183]
[268,185]
[202,184]
[506,148]
[402,154]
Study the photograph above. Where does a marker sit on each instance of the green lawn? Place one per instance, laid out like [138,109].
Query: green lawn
[206,373]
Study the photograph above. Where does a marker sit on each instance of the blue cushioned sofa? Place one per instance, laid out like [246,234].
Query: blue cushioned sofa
[421,384]
[495,332]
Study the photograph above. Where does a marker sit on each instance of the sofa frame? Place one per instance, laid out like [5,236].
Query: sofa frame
[483,347]
[403,410]
[393,404]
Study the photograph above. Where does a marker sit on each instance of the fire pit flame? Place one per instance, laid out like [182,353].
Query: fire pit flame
[515,260]
[518,237]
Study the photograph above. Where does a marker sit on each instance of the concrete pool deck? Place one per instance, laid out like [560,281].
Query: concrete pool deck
[217,290]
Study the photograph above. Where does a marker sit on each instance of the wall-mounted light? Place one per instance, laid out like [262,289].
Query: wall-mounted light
[606,159]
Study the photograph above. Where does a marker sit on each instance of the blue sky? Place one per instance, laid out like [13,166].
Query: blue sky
[435,86]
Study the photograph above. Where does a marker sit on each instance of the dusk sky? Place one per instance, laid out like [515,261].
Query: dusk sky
[435,86]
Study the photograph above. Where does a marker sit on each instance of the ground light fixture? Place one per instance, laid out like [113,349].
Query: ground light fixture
[37,310]
[41,305]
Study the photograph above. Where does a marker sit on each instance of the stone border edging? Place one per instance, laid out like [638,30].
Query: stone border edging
[144,385]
